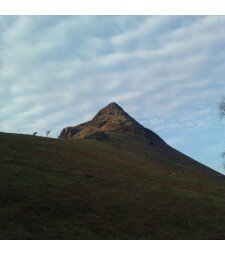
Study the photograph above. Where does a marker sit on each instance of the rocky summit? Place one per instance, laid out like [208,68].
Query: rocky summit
[111,118]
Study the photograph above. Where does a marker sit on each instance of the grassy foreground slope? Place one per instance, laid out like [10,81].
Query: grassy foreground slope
[135,191]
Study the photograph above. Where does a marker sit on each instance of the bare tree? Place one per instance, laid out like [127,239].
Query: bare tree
[47,133]
[221,108]
[34,134]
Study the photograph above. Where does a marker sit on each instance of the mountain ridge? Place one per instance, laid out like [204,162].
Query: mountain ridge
[112,122]
[108,178]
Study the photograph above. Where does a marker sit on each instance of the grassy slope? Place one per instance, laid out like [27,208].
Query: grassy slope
[134,193]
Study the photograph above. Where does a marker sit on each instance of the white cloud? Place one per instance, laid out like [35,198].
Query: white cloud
[57,71]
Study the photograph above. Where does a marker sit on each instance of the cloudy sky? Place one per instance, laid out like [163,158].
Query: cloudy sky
[168,72]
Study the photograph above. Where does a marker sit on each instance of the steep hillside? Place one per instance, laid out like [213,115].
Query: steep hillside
[121,187]
[112,122]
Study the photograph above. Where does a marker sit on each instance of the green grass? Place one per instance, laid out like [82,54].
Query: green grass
[44,193]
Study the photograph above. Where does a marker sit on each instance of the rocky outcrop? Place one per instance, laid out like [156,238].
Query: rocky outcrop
[112,118]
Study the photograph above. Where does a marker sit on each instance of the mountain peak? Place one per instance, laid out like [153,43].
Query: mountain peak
[111,118]
[113,105]
[111,109]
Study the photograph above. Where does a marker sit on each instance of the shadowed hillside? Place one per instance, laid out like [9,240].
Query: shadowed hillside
[109,178]
[122,188]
